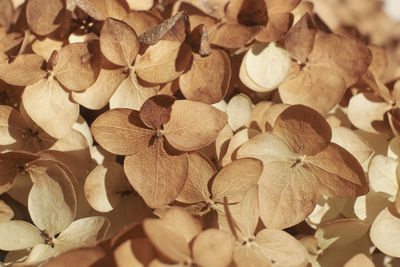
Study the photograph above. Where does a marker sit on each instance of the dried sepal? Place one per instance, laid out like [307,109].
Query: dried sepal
[129,126]
[43,17]
[118,42]
[6,213]
[239,111]
[207,79]
[155,174]
[193,125]
[359,260]
[105,185]
[20,235]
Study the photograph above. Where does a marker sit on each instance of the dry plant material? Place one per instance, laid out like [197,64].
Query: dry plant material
[209,247]
[231,120]
[145,137]
[299,163]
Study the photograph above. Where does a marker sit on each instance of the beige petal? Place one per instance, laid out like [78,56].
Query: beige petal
[105,185]
[157,176]
[11,125]
[222,142]
[193,125]
[82,232]
[304,129]
[383,175]
[163,62]
[45,47]
[317,87]
[6,213]
[257,114]
[134,252]
[52,200]
[394,148]
[359,260]
[339,233]
[213,247]
[353,143]
[236,141]
[200,172]
[118,42]
[132,93]
[43,16]
[48,104]
[19,235]
[266,147]
[132,134]
[208,78]
[239,111]
[235,179]
[338,172]
[141,21]
[24,70]
[366,112]
[280,6]
[385,233]
[327,209]
[267,66]
[282,248]
[369,206]
[170,243]
[249,212]
[247,256]
[98,95]
[78,65]
[287,194]
[183,222]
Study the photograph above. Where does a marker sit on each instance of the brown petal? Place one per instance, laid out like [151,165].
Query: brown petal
[359,260]
[118,42]
[282,248]
[101,9]
[132,135]
[287,194]
[156,175]
[213,247]
[235,179]
[98,95]
[208,78]
[183,222]
[230,35]
[170,243]
[163,62]
[48,104]
[304,129]
[11,126]
[132,93]
[278,25]
[200,172]
[24,70]
[351,64]
[156,111]
[279,6]
[317,87]
[338,172]
[193,125]
[141,21]
[105,185]
[198,40]
[43,16]
[300,40]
